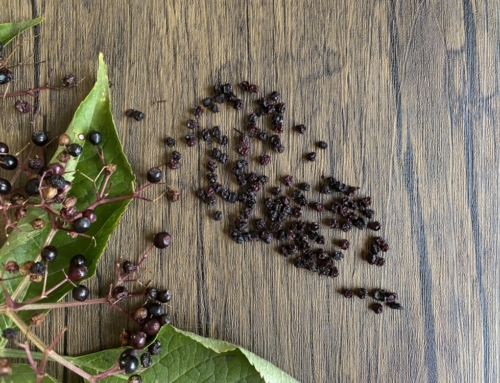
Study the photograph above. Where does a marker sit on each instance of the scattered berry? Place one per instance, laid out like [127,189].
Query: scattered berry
[154,175]
[80,293]
[162,240]
[95,137]
[74,150]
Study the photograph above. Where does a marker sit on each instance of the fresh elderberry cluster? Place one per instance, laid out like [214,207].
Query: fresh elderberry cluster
[46,186]
[276,213]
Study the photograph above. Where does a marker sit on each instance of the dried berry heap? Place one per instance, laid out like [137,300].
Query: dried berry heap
[280,210]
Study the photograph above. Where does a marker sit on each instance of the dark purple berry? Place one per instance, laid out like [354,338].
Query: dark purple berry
[5,186]
[169,141]
[49,253]
[311,156]
[57,181]
[162,240]
[300,128]
[138,340]
[217,215]
[4,148]
[74,150]
[151,327]
[154,175]
[155,310]
[77,273]
[55,168]
[378,308]
[129,267]
[80,293]
[192,124]
[90,215]
[69,80]
[8,162]
[128,363]
[95,137]
[5,76]
[348,293]
[81,225]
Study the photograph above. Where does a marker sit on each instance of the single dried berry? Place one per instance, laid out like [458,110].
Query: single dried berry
[138,115]
[322,144]
[395,305]
[169,141]
[38,268]
[12,267]
[192,124]
[37,224]
[375,225]
[311,156]
[217,215]
[140,314]
[344,244]
[288,180]
[378,308]
[162,240]
[119,292]
[146,360]
[300,128]
[348,293]
[10,334]
[198,111]
[69,80]
[154,348]
[23,106]
[264,159]
[362,293]
[129,267]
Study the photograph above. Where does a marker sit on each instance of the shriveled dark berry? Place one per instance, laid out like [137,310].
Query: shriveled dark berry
[138,340]
[207,102]
[154,348]
[57,181]
[206,135]
[348,293]
[49,253]
[23,106]
[5,186]
[95,137]
[343,244]
[129,267]
[134,379]
[12,267]
[5,76]
[311,156]
[377,308]
[31,186]
[322,144]
[198,111]
[192,124]
[151,326]
[374,225]
[162,240]
[155,310]
[217,215]
[8,162]
[81,225]
[146,360]
[38,268]
[300,128]
[165,319]
[215,108]
[362,293]
[74,149]
[382,244]
[80,293]
[69,80]
[223,140]
[119,292]
[10,334]
[395,305]
[77,273]
[190,140]
[264,159]
[169,141]
[288,180]
[253,88]
[138,115]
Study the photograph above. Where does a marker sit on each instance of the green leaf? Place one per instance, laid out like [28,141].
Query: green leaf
[93,113]
[23,373]
[9,31]
[189,358]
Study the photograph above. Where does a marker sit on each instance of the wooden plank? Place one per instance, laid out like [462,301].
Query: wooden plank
[405,93]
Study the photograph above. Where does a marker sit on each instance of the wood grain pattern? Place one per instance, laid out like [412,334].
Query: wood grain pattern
[406,94]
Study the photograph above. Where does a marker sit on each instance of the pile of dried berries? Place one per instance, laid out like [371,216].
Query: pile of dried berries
[280,212]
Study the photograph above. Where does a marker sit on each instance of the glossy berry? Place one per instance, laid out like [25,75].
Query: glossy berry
[77,273]
[80,293]
[138,115]
[162,240]
[74,150]
[8,162]
[40,138]
[154,175]
[78,260]
[81,225]
[138,340]
[164,296]
[129,363]
[55,168]
[5,76]
[134,379]
[4,148]
[31,187]
[155,310]
[151,327]
[5,186]
[95,137]
[90,215]
[49,253]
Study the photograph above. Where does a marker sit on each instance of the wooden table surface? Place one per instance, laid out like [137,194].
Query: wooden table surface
[406,95]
